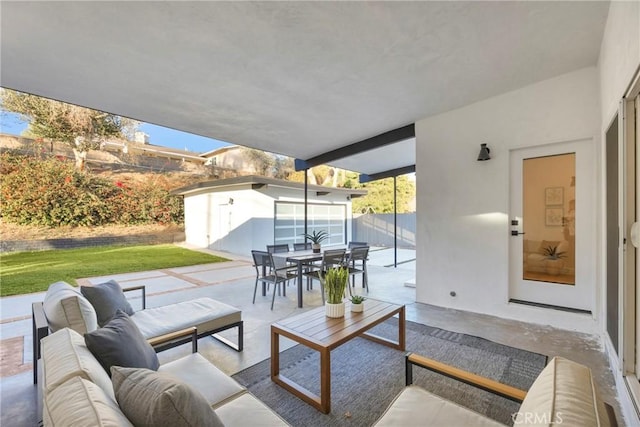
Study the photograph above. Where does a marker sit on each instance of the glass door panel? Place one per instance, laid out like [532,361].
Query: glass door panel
[548,219]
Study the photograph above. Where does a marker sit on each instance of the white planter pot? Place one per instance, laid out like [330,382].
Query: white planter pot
[554,266]
[316,248]
[334,310]
[357,308]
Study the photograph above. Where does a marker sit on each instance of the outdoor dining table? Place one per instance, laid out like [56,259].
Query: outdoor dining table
[300,259]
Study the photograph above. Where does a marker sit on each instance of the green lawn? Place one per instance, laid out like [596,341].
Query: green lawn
[26,272]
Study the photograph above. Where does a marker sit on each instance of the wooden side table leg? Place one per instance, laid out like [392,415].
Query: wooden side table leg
[275,353]
[402,330]
[325,381]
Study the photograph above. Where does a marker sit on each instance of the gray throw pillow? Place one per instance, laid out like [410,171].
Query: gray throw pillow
[106,299]
[120,343]
[149,398]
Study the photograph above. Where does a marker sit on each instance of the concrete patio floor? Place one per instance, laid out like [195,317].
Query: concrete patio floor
[232,282]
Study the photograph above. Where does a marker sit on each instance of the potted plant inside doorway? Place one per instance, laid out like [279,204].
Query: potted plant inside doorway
[554,262]
[335,282]
[316,238]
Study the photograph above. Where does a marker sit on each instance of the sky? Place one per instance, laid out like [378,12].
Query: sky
[166,137]
[10,123]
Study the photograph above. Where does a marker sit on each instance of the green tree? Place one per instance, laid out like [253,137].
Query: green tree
[83,129]
[379,198]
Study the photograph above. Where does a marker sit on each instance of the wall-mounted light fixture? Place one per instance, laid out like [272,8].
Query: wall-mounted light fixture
[230,201]
[484,153]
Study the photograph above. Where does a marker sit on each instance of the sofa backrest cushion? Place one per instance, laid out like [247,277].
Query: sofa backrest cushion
[150,398]
[106,298]
[531,246]
[79,402]
[563,393]
[65,307]
[64,356]
[120,343]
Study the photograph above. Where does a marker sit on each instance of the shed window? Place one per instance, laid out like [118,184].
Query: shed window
[289,222]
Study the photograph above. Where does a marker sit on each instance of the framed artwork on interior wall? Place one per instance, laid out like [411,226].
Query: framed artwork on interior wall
[553,196]
[553,217]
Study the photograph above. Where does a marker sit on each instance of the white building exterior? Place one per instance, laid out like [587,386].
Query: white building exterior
[239,214]
[463,223]
[230,158]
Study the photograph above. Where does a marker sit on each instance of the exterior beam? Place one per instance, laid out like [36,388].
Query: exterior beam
[372,143]
[387,174]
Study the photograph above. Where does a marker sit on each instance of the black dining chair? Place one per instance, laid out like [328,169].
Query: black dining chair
[262,265]
[302,246]
[357,245]
[277,272]
[276,249]
[357,262]
[330,258]
[281,274]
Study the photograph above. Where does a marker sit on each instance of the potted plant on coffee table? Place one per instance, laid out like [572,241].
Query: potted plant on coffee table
[316,238]
[335,282]
[357,303]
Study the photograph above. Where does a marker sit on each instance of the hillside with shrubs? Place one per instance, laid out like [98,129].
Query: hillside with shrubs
[51,192]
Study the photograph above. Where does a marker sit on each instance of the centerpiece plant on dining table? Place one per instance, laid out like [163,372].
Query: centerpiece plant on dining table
[334,281]
[317,237]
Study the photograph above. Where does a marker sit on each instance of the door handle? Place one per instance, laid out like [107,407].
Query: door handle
[516,233]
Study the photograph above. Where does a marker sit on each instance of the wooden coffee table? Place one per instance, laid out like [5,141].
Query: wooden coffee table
[314,330]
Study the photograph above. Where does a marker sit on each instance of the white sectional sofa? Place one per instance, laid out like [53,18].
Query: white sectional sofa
[78,391]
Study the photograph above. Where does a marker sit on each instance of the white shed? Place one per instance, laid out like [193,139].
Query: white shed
[240,214]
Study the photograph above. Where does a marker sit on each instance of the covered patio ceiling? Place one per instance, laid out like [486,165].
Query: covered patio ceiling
[294,78]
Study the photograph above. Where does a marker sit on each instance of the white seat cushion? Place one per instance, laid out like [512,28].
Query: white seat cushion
[246,410]
[417,407]
[204,313]
[65,355]
[216,386]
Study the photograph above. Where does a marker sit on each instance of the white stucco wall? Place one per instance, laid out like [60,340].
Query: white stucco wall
[463,231]
[619,55]
[195,212]
[212,222]
[619,60]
